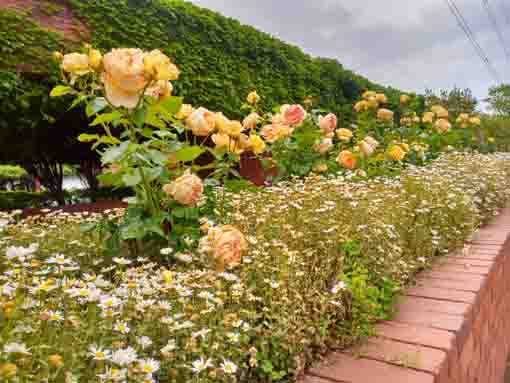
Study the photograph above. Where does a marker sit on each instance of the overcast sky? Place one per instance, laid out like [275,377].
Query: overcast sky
[409,44]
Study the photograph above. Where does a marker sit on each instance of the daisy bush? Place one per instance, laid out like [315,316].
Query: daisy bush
[325,257]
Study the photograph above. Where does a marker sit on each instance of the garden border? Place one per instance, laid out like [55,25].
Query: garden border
[452,326]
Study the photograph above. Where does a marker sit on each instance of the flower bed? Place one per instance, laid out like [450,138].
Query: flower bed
[327,257]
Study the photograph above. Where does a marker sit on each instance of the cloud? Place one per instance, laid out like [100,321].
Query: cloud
[410,45]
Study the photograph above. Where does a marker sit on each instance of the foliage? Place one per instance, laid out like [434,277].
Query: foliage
[12,172]
[10,200]
[327,256]
[499,100]
[456,100]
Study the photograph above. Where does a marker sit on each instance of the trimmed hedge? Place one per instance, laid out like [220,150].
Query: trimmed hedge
[11,200]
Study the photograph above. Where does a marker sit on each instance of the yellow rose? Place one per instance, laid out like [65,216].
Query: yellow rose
[320,168]
[372,103]
[404,99]
[159,67]
[221,122]
[396,153]
[58,56]
[202,122]
[234,128]
[368,94]
[475,120]
[253,98]
[184,112]
[439,111]
[442,125]
[346,159]
[361,106]
[257,144]
[404,146]
[56,361]
[463,117]
[8,370]
[428,117]
[186,189]
[95,58]
[385,115]
[251,121]
[344,135]
[77,64]
[381,98]
[123,76]
[160,90]
[491,140]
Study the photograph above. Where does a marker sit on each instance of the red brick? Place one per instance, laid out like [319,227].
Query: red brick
[442,294]
[417,335]
[435,320]
[420,358]
[315,379]
[425,305]
[345,368]
[466,285]
[449,268]
[453,276]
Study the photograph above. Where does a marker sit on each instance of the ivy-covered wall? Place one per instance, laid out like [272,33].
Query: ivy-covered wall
[221,60]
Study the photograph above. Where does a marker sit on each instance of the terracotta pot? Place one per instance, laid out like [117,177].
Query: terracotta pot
[252,170]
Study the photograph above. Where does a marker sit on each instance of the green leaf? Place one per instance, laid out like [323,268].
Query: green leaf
[189,153]
[171,105]
[152,173]
[61,90]
[95,106]
[139,117]
[84,137]
[106,140]
[114,153]
[106,117]
[155,121]
[132,178]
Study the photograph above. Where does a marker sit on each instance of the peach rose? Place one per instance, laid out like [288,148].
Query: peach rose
[324,146]
[222,140]
[251,121]
[346,159]
[442,125]
[367,146]
[202,122]
[328,124]
[187,189]
[439,111]
[385,115]
[123,76]
[293,114]
[274,132]
[159,67]
[227,244]
[160,90]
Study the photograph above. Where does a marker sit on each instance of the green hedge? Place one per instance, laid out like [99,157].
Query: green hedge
[21,199]
[221,60]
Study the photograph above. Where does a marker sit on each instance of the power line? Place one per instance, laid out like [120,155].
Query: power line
[495,24]
[471,37]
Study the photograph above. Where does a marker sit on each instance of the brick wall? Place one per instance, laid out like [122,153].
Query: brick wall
[452,327]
